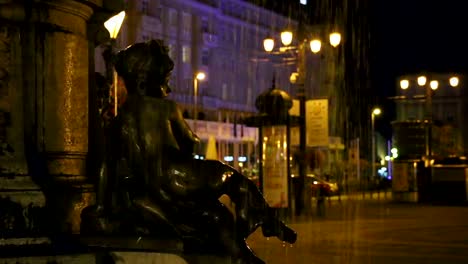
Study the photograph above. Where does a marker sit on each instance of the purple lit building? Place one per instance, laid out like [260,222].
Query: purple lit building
[224,39]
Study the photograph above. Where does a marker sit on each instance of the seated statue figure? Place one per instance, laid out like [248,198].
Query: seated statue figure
[150,165]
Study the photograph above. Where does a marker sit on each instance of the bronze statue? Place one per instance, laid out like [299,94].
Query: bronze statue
[150,171]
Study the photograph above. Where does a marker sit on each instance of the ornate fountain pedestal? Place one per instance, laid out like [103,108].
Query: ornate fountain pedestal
[43,123]
[44,104]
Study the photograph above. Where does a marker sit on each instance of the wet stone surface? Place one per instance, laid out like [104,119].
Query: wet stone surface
[373,232]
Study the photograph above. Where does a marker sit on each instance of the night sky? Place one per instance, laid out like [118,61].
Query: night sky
[411,36]
[408,36]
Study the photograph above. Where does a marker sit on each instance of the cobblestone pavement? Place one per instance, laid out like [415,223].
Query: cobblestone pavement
[356,230]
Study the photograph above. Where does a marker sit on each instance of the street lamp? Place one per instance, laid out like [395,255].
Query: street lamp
[199,76]
[422,80]
[315,44]
[430,87]
[286,37]
[404,84]
[268,44]
[335,39]
[298,78]
[375,112]
[113,25]
[454,81]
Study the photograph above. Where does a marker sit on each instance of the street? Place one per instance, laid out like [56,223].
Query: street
[372,231]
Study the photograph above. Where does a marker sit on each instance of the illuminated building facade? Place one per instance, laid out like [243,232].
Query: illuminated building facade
[223,39]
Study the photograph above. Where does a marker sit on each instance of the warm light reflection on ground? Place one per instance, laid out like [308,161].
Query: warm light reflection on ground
[357,231]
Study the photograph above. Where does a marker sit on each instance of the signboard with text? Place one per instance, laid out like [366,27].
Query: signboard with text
[275,166]
[317,123]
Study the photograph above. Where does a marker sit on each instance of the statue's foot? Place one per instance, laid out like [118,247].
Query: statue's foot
[279,229]
[93,221]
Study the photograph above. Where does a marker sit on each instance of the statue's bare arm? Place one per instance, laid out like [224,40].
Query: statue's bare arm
[186,138]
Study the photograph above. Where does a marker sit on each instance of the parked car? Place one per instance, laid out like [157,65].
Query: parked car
[319,186]
[312,181]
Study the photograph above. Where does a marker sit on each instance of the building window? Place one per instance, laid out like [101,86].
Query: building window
[186,54]
[144,6]
[187,25]
[205,59]
[249,95]
[237,36]
[222,33]
[230,34]
[205,26]
[232,92]
[187,86]
[173,80]
[158,13]
[224,91]
[172,51]
[173,17]
[173,54]
[187,72]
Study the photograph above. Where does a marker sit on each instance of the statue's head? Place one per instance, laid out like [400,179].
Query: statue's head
[145,68]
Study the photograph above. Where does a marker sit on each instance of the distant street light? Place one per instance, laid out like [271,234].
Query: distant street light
[335,39]
[434,85]
[315,45]
[286,37]
[375,112]
[453,81]
[404,84]
[268,44]
[199,76]
[422,80]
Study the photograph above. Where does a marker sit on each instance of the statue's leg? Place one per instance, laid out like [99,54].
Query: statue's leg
[219,225]
[106,174]
[252,210]
[94,218]
[102,189]
[157,218]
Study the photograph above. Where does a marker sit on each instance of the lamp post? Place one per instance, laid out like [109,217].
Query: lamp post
[299,79]
[430,87]
[113,25]
[375,112]
[199,76]
[406,133]
[274,121]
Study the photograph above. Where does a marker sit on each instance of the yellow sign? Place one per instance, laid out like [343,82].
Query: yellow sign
[317,123]
[275,166]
